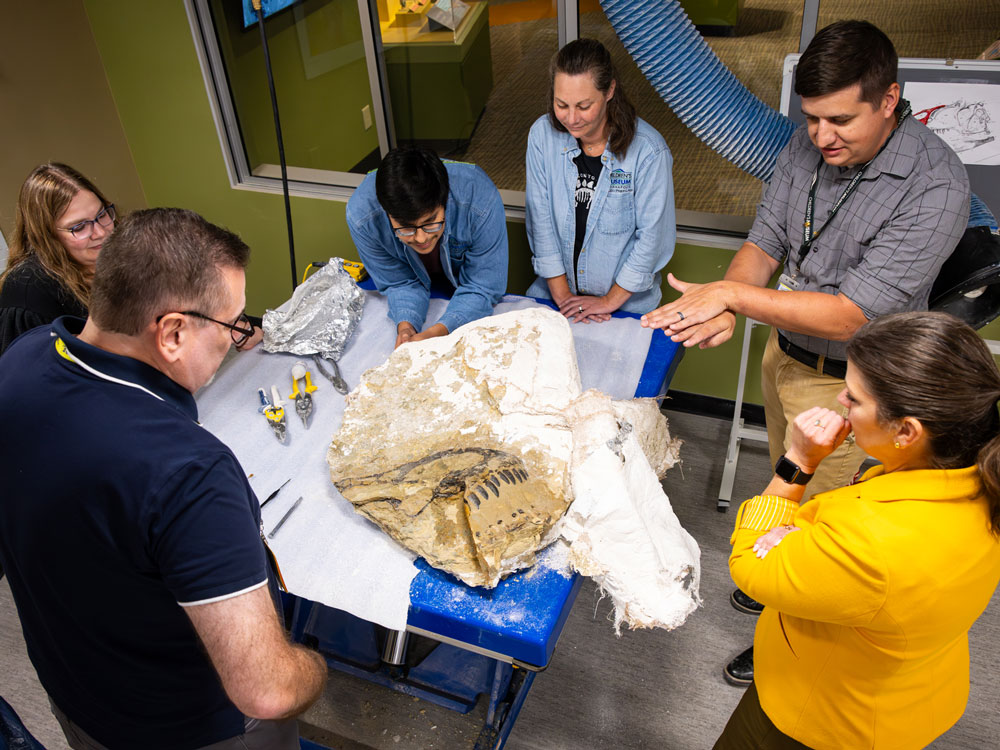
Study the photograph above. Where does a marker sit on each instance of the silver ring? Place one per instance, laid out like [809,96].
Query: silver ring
[681,314]
[581,308]
[818,423]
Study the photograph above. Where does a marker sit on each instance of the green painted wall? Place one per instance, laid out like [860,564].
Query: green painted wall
[156,81]
[157,84]
[320,75]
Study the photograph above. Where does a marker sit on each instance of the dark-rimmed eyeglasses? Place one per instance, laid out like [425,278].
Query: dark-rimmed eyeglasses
[240,333]
[83,229]
[430,228]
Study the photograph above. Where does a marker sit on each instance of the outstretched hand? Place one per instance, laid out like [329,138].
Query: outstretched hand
[699,316]
[816,433]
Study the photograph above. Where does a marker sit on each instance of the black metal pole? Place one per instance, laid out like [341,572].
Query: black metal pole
[281,146]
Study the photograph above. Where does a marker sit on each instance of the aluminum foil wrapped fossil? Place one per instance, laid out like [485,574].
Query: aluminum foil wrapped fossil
[320,317]
[469,449]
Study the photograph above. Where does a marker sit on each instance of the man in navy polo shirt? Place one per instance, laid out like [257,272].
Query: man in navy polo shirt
[130,535]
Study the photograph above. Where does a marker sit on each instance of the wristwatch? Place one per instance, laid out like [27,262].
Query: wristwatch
[790,472]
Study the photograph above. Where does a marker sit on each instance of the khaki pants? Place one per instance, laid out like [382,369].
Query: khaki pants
[789,388]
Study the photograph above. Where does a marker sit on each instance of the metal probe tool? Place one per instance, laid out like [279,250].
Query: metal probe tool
[284,518]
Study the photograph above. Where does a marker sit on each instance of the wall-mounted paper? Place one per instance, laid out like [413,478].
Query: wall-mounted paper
[965,115]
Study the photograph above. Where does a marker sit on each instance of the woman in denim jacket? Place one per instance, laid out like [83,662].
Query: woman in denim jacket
[599,196]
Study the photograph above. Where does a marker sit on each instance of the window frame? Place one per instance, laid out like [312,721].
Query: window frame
[693,227]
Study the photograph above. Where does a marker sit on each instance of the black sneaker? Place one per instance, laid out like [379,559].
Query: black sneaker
[744,603]
[739,671]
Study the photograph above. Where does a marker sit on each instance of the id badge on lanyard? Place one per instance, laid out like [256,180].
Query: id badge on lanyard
[788,283]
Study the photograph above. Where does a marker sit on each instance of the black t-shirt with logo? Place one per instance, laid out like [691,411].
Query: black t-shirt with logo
[588,170]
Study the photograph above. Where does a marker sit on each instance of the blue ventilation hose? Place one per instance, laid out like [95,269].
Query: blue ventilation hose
[701,91]
[704,93]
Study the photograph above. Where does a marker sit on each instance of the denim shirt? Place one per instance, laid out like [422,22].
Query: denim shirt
[473,248]
[631,227]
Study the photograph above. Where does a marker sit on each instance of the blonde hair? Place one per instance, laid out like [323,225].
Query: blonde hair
[44,197]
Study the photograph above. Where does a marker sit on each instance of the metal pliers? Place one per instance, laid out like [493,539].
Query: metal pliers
[338,382]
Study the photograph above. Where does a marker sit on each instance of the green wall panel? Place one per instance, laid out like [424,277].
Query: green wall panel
[157,84]
[320,76]
[713,372]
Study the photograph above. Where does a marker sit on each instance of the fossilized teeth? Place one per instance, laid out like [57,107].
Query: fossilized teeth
[494,485]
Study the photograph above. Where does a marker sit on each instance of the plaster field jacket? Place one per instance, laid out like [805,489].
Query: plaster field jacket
[631,227]
[863,642]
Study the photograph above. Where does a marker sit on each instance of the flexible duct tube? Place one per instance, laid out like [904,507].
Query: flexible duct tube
[702,92]
[980,215]
[705,94]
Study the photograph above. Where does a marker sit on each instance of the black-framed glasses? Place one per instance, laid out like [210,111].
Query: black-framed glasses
[83,229]
[240,334]
[430,228]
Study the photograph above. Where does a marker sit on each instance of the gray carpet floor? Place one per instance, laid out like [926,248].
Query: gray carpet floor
[646,689]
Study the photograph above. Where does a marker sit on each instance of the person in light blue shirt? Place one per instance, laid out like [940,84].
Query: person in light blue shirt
[420,225]
[599,195]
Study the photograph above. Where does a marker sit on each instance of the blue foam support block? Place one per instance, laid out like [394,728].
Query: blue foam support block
[521,618]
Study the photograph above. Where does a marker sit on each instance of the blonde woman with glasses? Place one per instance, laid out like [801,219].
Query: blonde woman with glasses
[62,221]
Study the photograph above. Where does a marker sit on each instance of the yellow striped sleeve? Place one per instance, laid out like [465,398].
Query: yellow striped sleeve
[763,513]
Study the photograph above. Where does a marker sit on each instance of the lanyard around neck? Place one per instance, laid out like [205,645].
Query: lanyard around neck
[808,235]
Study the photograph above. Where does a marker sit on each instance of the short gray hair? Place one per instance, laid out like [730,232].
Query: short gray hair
[161,260]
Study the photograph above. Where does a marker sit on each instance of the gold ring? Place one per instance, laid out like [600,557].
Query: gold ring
[818,423]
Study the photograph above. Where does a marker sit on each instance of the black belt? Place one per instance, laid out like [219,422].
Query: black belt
[835,368]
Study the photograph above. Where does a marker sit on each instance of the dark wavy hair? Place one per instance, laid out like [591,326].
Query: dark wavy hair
[590,56]
[935,368]
[847,53]
[410,183]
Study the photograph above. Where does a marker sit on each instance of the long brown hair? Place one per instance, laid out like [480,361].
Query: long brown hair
[44,196]
[590,56]
[935,368]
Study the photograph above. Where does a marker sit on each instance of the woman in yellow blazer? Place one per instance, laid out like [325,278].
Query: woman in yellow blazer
[870,589]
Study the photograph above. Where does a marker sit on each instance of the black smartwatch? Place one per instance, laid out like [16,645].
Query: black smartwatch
[789,472]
